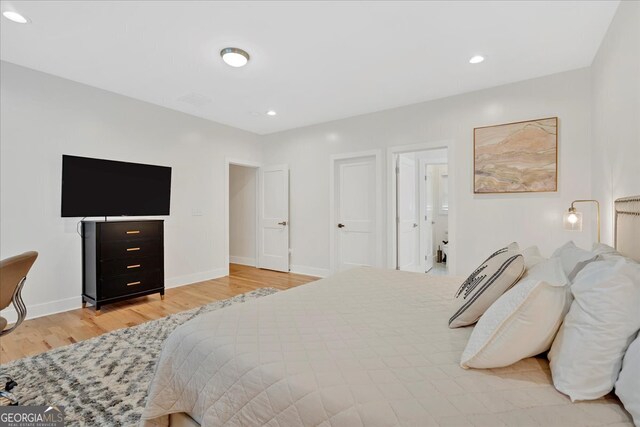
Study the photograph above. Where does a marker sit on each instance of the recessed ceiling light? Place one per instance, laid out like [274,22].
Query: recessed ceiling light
[476,59]
[234,57]
[271,113]
[15,17]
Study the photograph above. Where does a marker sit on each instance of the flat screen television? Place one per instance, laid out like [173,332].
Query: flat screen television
[95,187]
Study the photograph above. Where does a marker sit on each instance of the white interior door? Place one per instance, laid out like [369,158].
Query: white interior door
[274,218]
[355,212]
[427,217]
[407,215]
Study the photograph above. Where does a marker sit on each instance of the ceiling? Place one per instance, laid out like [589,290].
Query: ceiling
[311,62]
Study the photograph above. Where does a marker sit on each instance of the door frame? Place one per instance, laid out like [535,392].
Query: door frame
[391,196]
[377,154]
[257,167]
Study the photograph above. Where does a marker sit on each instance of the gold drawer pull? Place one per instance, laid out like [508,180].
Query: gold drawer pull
[134,266]
[133,283]
[133,232]
[132,249]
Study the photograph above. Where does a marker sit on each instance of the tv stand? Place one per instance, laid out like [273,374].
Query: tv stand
[121,260]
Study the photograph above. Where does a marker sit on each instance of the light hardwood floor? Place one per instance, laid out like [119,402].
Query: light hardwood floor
[48,332]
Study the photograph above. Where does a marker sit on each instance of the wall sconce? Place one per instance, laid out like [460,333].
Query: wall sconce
[572,219]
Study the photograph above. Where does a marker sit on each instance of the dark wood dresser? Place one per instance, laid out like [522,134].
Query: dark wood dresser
[121,260]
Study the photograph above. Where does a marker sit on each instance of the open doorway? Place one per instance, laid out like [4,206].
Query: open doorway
[421,210]
[257,215]
[243,215]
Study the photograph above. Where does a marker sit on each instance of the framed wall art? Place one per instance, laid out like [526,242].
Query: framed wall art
[518,157]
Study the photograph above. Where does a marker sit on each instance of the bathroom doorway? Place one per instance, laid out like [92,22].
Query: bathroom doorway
[421,211]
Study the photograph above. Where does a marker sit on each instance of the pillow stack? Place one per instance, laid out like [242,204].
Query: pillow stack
[582,305]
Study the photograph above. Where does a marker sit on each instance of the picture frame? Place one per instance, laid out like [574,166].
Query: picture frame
[516,157]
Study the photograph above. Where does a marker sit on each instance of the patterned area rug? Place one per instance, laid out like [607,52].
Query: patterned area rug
[103,381]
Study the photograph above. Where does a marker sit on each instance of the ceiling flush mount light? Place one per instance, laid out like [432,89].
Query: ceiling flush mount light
[15,17]
[271,113]
[476,59]
[234,56]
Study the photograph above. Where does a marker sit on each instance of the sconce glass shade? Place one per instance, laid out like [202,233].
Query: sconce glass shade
[572,220]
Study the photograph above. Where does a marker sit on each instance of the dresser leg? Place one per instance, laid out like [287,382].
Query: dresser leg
[162,296]
[84,304]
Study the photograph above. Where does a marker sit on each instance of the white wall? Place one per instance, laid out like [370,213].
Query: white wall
[44,117]
[480,223]
[616,113]
[242,215]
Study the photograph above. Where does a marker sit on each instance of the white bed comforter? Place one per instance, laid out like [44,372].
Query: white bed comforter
[364,347]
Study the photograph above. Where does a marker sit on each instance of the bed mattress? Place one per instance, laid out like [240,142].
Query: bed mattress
[364,347]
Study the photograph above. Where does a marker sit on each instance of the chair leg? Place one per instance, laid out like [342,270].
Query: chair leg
[19,305]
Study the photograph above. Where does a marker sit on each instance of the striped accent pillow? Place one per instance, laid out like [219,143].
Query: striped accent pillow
[486,284]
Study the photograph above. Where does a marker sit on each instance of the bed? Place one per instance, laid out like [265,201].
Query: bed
[363,347]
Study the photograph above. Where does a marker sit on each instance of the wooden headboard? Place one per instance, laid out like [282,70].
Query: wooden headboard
[627,227]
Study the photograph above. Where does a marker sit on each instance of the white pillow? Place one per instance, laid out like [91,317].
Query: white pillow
[573,258]
[628,385]
[550,270]
[522,322]
[532,256]
[587,353]
[485,285]
[606,252]
[602,249]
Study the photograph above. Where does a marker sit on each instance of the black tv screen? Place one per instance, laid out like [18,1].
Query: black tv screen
[94,187]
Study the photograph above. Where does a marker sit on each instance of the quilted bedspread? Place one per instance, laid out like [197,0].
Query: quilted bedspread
[364,347]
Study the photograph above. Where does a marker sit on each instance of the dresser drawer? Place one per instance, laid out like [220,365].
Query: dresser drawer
[118,267]
[128,231]
[130,249]
[130,284]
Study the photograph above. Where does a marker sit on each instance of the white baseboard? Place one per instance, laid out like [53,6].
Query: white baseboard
[309,271]
[242,260]
[189,279]
[45,308]
[58,306]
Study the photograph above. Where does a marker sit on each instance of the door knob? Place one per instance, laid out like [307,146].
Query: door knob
[340,225]
[282,223]
[415,225]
